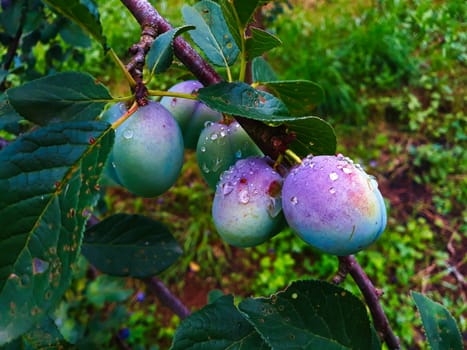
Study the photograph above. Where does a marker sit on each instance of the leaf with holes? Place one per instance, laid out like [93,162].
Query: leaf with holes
[83,13]
[49,182]
[130,245]
[217,326]
[65,96]
[160,55]
[440,327]
[212,34]
[310,315]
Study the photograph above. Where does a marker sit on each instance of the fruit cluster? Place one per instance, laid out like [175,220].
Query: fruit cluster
[330,202]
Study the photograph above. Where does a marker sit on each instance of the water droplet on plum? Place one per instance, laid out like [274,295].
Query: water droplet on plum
[294,200]
[128,134]
[333,176]
[243,197]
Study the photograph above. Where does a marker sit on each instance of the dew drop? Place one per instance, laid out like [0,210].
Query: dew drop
[39,266]
[332,190]
[243,197]
[227,188]
[294,200]
[274,206]
[205,168]
[208,123]
[114,165]
[217,164]
[214,136]
[202,149]
[128,134]
[347,170]
[333,176]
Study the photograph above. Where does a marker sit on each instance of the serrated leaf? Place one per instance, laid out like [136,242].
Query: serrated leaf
[262,70]
[310,315]
[60,97]
[440,327]
[300,96]
[217,326]
[242,100]
[49,182]
[83,13]
[160,55]
[313,136]
[260,42]
[212,34]
[130,245]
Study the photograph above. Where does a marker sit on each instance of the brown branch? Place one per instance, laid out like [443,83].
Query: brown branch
[348,264]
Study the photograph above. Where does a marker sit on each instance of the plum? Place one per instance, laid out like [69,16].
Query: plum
[191,115]
[220,146]
[333,205]
[148,151]
[247,208]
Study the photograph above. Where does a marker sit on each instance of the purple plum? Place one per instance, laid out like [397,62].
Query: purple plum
[247,208]
[333,205]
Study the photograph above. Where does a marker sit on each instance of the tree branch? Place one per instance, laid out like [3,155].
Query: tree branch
[348,264]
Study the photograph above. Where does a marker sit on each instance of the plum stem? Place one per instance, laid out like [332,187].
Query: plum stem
[291,154]
[349,265]
[172,94]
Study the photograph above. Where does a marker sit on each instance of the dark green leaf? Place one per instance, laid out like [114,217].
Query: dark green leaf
[262,70]
[231,19]
[10,18]
[260,42]
[313,136]
[212,34]
[49,183]
[217,326]
[83,13]
[8,115]
[160,55]
[130,245]
[300,96]
[440,327]
[242,100]
[73,35]
[245,10]
[310,315]
[65,96]
[46,336]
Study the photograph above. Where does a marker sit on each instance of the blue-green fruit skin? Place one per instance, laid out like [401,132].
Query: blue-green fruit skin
[333,205]
[247,204]
[148,151]
[220,146]
[111,115]
[191,115]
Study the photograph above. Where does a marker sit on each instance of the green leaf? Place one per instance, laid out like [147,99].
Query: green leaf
[260,42]
[8,115]
[160,55]
[130,245]
[300,96]
[83,13]
[45,335]
[440,327]
[49,183]
[107,289]
[310,315]
[262,70]
[217,326]
[313,136]
[245,10]
[231,19]
[65,96]
[212,34]
[243,100]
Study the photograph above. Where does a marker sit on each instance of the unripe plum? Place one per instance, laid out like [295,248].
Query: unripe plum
[191,115]
[148,151]
[220,146]
[247,208]
[333,204]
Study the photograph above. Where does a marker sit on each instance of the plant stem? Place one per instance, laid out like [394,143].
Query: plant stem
[348,264]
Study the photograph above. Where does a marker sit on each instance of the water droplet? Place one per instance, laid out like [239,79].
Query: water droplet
[347,170]
[238,154]
[294,295]
[208,124]
[205,168]
[39,266]
[332,190]
[227,188]
[42,198]
[217,164]
[294,200]
[243,197]
[114,165]
[333,176]
[202,149]
[214,136]
[128,134]
[274,206]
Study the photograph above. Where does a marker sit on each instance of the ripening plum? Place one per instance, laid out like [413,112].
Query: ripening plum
[333,205]
[191,115]
[148,151]
[220,146]
[247,208]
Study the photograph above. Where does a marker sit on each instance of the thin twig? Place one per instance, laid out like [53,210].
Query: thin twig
[348,264]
